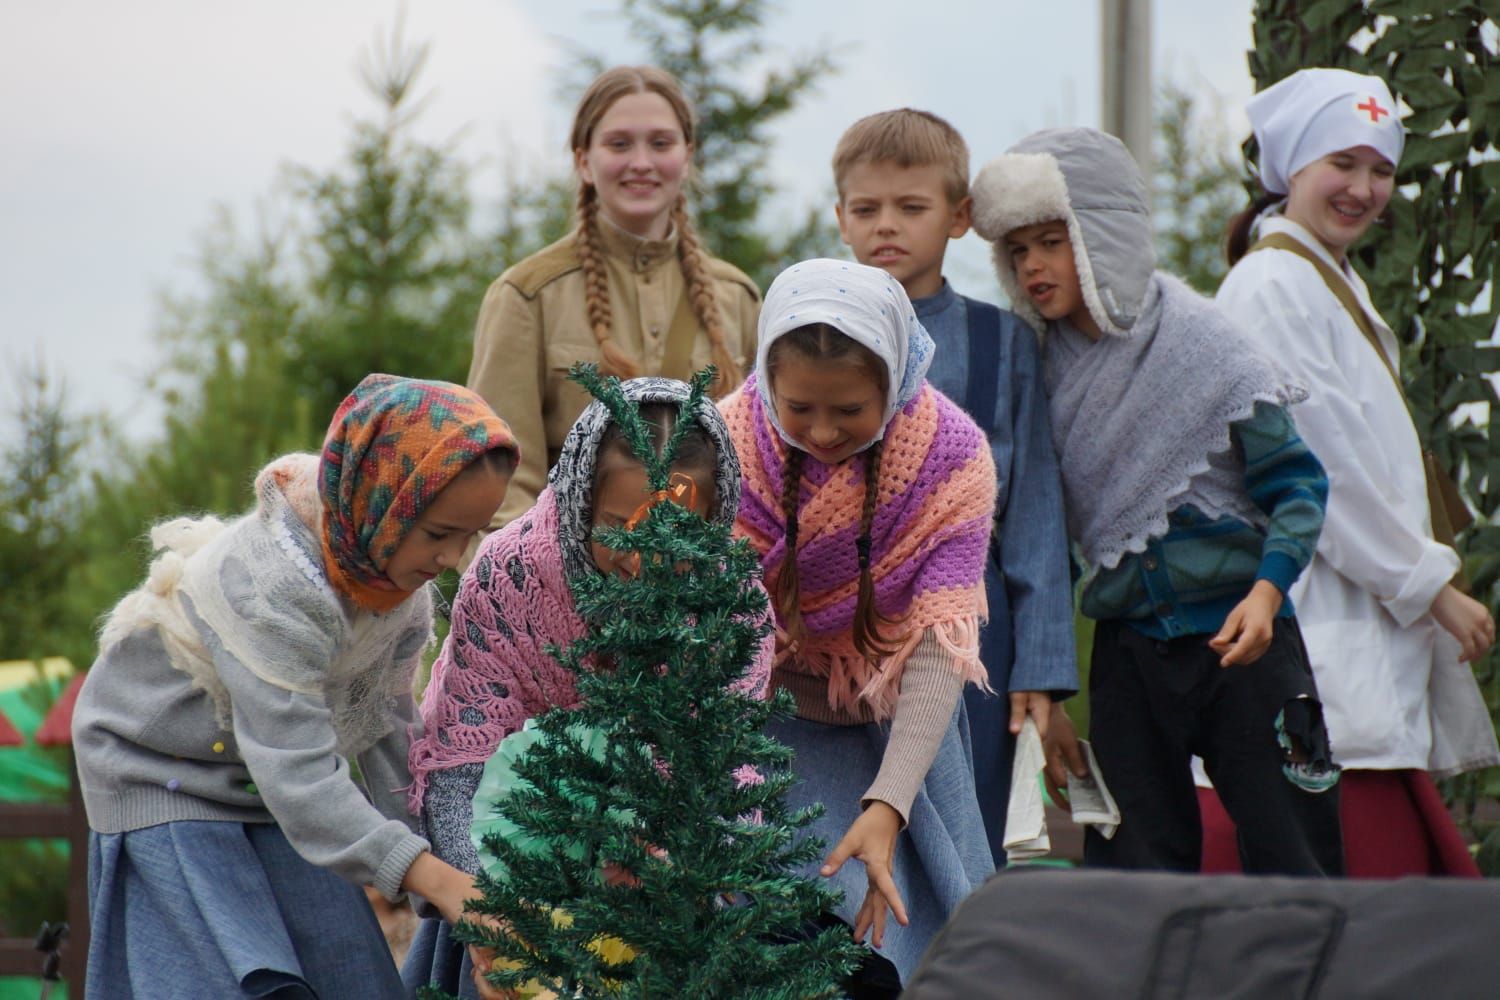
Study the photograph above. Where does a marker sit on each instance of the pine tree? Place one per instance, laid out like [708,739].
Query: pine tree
[396,273]
[39,502]
[687,794]
[1197,185]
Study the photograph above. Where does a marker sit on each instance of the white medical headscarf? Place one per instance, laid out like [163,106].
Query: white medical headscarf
[1315,112]
[863,303]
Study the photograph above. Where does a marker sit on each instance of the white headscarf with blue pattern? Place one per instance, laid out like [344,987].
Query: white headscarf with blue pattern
[572,477]
[865,304]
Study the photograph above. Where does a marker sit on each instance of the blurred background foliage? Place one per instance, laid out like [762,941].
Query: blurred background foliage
[379,264]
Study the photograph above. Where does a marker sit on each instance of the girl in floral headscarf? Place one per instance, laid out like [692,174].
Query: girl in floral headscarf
[234,688]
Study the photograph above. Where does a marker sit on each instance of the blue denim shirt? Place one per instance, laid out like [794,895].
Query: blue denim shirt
[1028,644]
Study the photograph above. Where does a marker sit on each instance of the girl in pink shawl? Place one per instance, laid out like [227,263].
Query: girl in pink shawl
[515,601]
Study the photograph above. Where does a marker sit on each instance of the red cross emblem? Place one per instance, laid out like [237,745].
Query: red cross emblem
[1371,108]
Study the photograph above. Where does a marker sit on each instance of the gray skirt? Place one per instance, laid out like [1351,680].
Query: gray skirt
[194,909]
[941,856]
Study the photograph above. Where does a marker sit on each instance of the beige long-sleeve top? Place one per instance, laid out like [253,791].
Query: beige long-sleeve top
[930,688]
[534,326]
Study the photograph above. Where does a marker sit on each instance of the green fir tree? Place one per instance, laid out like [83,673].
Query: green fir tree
[1197,184]
[716,909]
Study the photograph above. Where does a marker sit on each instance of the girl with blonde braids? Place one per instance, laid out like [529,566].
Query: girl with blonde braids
[630,288]
[870,497]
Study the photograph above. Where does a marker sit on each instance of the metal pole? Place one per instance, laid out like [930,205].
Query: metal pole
[1125,77]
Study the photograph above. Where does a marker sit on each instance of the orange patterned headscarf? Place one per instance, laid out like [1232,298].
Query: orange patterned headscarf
[392,446]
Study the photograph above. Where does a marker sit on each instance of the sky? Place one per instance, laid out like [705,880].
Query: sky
[131,131]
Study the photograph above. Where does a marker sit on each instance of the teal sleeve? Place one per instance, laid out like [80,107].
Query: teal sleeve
[1286,481]
[499,781]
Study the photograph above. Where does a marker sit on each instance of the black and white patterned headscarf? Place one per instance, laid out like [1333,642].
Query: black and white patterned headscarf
[572,478]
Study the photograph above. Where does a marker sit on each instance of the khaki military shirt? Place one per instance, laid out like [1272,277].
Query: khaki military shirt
[534,326]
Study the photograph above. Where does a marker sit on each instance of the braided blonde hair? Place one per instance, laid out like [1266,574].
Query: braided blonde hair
[608,88]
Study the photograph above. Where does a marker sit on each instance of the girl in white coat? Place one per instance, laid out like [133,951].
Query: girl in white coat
[1387,631]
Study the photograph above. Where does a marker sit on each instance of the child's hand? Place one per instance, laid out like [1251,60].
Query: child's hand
[1247,631]
[1466,620]
[1063,755]
[1037,704]
[616,875]
[442,885]
[872,839]
[483,960]
[448,889]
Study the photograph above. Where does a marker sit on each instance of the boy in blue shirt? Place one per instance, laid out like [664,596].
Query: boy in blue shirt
[903,186]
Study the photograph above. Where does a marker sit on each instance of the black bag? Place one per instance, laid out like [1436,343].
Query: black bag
[1042,933]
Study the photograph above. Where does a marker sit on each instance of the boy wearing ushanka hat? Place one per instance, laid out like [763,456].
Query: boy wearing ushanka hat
[1193,504]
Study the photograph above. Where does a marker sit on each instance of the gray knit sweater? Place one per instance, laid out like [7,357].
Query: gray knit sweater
[150,751]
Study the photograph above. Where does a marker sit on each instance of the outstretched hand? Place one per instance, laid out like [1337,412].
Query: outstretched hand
[449,889]
[871,839]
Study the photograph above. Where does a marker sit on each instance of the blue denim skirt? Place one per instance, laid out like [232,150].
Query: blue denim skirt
[941,856]
[194,909]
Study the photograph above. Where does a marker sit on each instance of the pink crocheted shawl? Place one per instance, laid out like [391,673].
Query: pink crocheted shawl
[929,539]
[494,672]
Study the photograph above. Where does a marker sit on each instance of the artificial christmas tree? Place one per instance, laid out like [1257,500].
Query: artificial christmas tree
[663,777]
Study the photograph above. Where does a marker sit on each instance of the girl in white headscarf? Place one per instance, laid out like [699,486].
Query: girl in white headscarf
[1387,631]
[870,498]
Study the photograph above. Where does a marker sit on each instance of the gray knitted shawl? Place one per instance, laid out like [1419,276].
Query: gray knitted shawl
[1141,420]
[1141,417]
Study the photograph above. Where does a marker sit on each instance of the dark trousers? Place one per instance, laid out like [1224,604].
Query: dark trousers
[1153,704]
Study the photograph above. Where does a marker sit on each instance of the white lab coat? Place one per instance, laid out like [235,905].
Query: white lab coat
[1394,692]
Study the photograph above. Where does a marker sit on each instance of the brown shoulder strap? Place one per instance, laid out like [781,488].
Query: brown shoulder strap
[1450,514]
[677,353]
[1340,289]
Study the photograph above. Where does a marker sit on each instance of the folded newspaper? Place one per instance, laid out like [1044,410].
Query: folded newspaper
[1026,819]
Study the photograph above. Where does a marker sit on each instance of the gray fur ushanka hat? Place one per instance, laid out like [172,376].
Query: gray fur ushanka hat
[1089,180]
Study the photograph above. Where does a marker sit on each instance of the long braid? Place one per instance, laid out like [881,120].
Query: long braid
[596,286]
[700,290]
[788,589]
[867,617]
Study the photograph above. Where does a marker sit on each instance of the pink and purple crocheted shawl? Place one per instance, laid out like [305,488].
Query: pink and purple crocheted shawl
[929,538]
